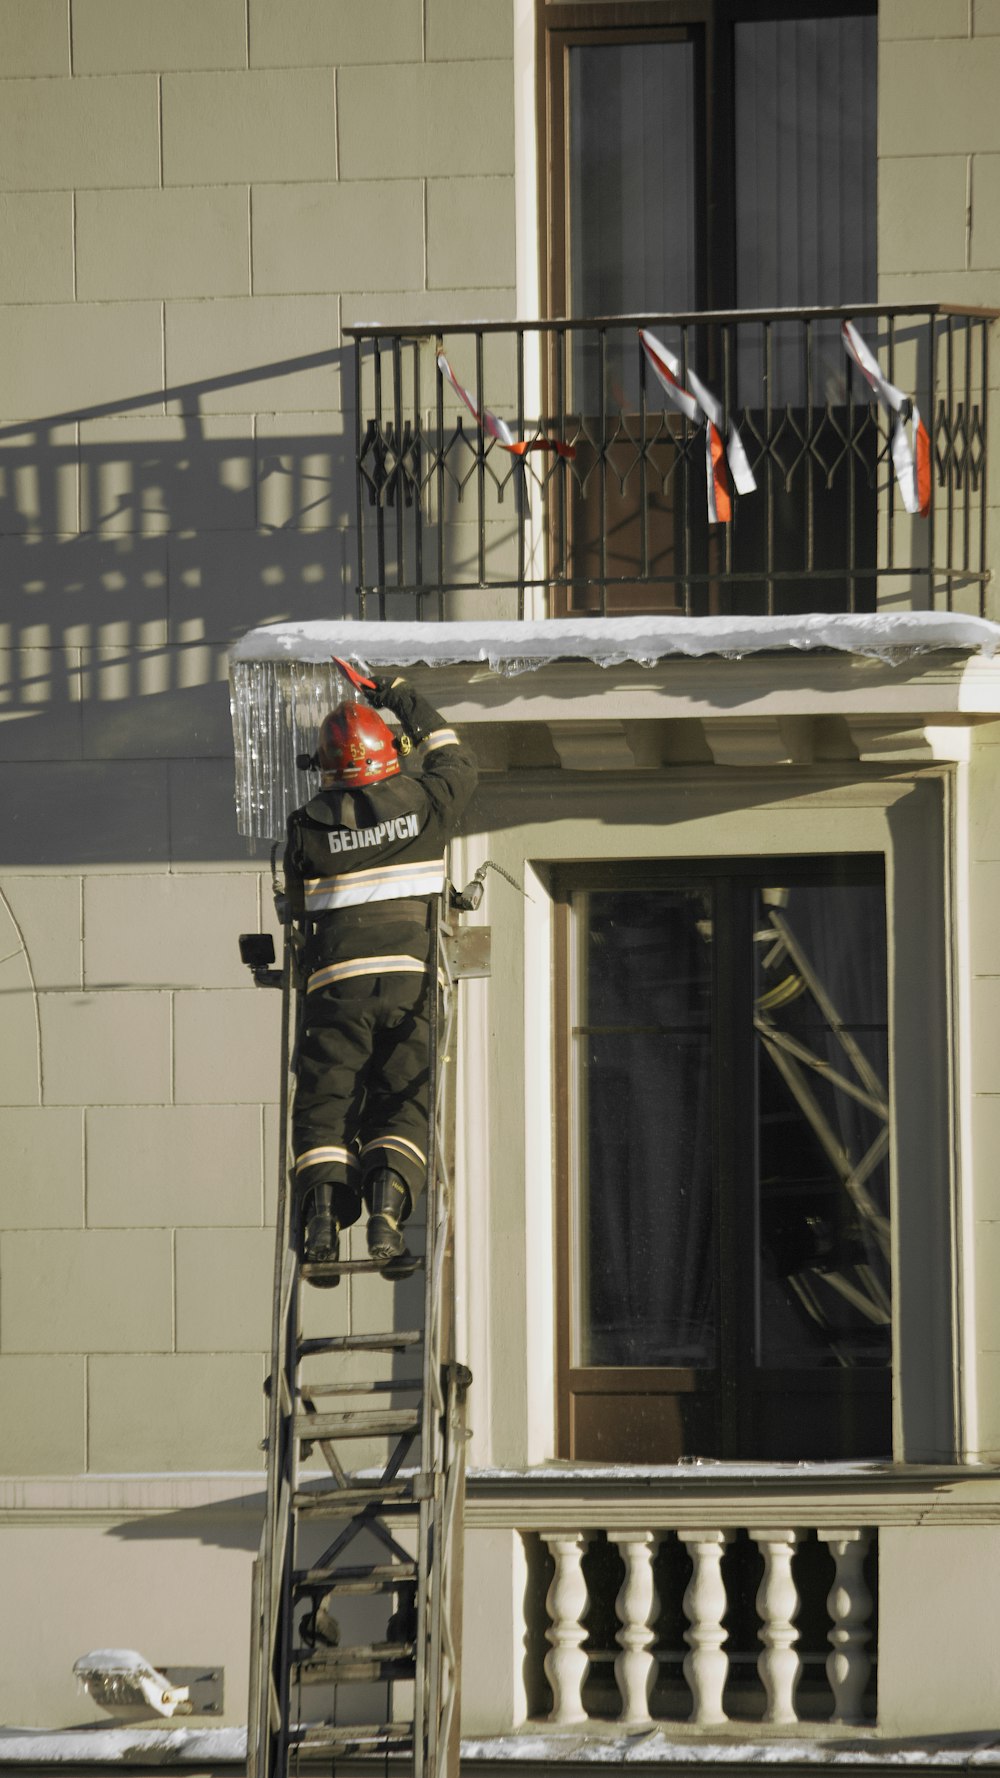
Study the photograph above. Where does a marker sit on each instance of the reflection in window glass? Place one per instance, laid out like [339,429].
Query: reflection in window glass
[820,1019]
[810,1169]
[645,1253]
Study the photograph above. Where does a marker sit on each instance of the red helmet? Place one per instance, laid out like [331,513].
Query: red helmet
[356,746]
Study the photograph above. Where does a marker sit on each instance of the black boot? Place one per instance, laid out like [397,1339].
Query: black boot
[319,1628]
[402,1626]
[390,1205]
[320,1233]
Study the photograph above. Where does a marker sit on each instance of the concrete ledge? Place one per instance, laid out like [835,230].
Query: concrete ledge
[110,1499]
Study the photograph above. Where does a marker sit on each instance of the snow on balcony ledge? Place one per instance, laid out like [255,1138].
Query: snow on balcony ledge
[512,648]
[283,680]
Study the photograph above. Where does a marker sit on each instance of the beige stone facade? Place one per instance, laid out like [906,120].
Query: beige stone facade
[196,198]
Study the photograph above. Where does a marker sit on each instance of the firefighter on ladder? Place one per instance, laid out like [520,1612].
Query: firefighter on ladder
[364,858]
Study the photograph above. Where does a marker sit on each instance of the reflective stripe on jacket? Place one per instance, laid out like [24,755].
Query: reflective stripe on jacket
[362,864]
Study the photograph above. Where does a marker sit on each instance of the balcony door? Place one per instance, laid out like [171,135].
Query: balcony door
[705,156]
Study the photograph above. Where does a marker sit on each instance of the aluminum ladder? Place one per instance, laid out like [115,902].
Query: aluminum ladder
[392,1536]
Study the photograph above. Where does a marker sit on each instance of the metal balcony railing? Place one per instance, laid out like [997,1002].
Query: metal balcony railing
[601,505]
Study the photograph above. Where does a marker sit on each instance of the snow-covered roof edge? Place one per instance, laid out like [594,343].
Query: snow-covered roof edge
[511,648]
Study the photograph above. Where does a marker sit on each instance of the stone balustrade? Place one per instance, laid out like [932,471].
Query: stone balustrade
[747,1589]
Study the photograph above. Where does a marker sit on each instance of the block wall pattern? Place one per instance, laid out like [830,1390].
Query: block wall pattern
[195,197]
[939,176]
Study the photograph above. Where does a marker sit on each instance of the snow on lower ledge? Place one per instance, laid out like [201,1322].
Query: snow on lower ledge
[122,1746]
[698,1469]
[511,648]
[655,1747]
[185,1747]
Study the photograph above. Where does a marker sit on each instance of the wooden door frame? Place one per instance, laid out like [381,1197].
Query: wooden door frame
[561,26]
[711,23]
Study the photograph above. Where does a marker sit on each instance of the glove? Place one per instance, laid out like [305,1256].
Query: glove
[380,695]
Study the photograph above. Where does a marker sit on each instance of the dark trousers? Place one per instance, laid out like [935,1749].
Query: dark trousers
[361,1088]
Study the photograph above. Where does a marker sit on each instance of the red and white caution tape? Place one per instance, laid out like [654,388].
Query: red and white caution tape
[696,402]
[496,428]
[911,463]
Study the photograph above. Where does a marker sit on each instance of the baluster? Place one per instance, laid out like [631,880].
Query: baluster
[706,1664]
[778,1604]
[849,1603]
[637,1607]
[566,1601]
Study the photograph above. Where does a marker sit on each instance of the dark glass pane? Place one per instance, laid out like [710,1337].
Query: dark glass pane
[645,1271]
[806,176]
[632,198]
[648,958]
[805,216]
[820,1018]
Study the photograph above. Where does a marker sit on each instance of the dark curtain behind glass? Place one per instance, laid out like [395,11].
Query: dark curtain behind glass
[645,1289]
[632,199]
[805,190]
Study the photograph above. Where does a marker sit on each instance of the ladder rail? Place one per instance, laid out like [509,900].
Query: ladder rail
[425,1546]
[274,1533]
[434,1496]
[450,1589]
[256,1652]
[440,1344]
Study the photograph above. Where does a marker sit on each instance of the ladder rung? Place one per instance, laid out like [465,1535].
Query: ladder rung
[334,1666]
[331,1737]
[339,1268]
[380,1577]
[358,1673]
[371,1423]
[366,1342]
[339,1503]
[377,1386]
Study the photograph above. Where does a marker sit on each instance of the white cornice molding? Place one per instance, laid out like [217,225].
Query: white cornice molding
[112,1500]
[925,691]
[887,741]
[535,1500]
[743,741]
[809,1499]
[592,746]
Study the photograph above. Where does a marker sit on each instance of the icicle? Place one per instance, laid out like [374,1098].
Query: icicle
[277,707]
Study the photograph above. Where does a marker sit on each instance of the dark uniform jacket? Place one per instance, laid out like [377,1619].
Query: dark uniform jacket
[362,864]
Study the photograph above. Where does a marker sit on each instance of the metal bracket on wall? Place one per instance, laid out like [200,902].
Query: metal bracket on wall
[468,951]
[205,1685]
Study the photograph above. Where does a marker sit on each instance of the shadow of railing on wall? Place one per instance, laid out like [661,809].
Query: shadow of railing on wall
[137,545]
